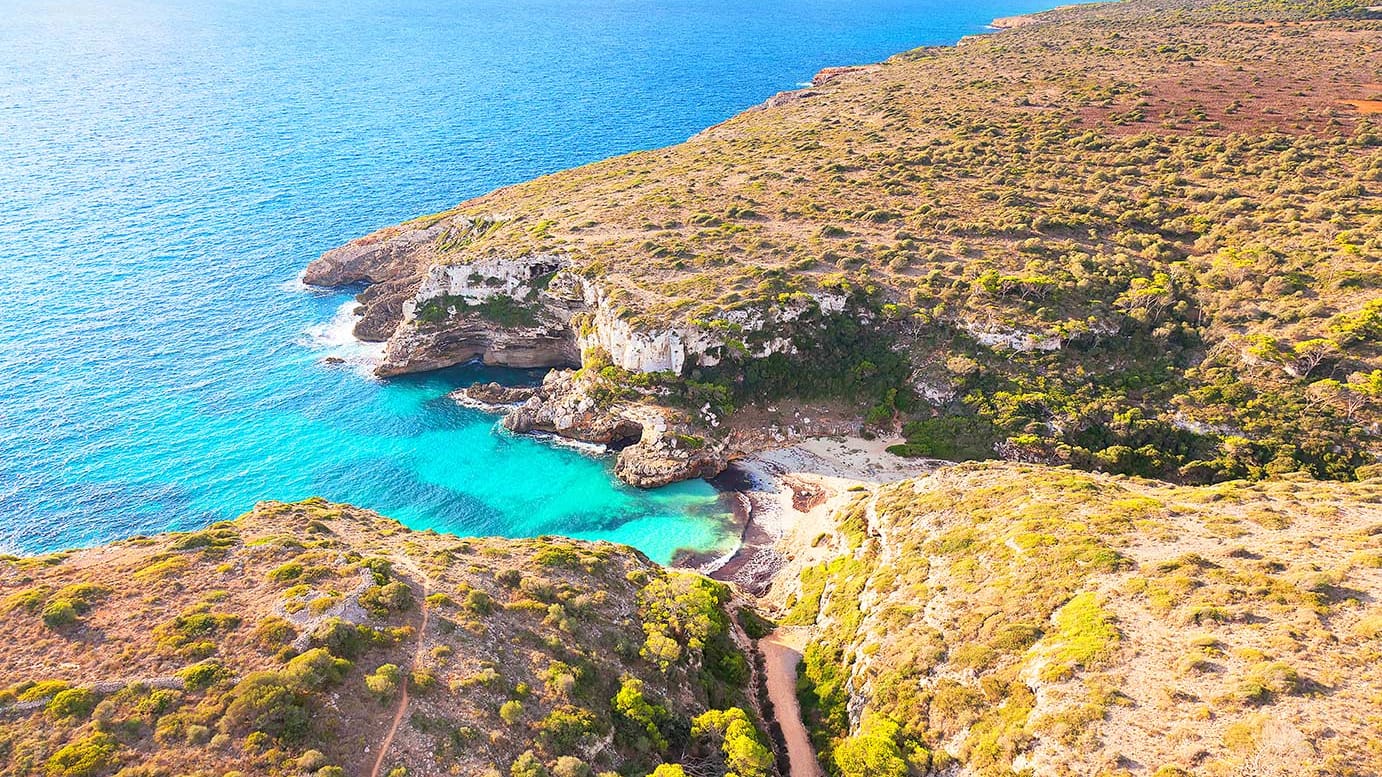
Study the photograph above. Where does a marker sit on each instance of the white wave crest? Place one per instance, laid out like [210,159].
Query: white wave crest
[336,340]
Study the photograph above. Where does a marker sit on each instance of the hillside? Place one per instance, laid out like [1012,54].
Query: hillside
[998,619]
[1139,237]
[320,639]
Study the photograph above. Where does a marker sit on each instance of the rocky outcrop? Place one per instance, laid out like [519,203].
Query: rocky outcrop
[417,348]
[656,448]
[562,407]
[387,255]
[658,460]
[493,395]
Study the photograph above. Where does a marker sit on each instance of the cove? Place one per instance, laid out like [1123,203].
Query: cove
[167,169]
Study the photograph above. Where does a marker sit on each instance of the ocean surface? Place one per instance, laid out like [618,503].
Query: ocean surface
[168,168]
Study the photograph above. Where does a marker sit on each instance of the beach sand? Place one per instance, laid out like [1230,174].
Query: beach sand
[790,494]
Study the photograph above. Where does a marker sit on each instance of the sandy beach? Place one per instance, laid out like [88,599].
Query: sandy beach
[789,495]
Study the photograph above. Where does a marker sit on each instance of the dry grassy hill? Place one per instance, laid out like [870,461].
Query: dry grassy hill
[284,643]
[1011,619]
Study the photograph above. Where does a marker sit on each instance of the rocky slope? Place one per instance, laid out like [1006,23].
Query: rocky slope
[320,639]
[1146,241]
[1009,619]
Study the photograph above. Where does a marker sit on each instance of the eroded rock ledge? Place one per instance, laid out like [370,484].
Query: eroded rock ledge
[656,445]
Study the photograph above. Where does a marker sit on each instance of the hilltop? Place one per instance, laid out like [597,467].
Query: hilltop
[982,619]
[1139,237]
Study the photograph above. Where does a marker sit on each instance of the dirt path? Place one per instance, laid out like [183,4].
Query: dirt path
[417,658]
[781,654]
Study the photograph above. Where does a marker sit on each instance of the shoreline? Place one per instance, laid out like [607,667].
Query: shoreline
[787,497]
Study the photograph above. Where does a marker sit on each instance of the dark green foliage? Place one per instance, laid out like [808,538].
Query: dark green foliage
[954,438]
[753,624]
[381,600]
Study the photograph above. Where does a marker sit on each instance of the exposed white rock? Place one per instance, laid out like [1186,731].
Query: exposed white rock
[993,336]
[484,279]
[830,302]
[934,392]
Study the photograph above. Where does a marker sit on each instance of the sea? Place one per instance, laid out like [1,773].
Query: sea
[168,167]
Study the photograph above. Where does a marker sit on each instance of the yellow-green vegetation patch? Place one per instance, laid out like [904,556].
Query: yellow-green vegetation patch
[1000,615]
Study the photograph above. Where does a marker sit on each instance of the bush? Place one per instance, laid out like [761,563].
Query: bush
[638,719]
[528,765]
[266,703]
[86,757]
[385,681]
[72,703]
[340,637]
[753,624]
[273,632]
[1266,680]
[315,670]
[566,727]
[203,675]
[873,752]
[381,600]
[570,766]
[59,613]
[511,711]
[743,748]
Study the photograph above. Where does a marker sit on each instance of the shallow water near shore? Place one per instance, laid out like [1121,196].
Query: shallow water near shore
[167,168]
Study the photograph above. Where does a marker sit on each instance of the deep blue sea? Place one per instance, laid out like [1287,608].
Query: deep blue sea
[167,167]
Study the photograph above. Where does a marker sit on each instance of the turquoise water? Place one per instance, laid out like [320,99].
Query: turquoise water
[167,168]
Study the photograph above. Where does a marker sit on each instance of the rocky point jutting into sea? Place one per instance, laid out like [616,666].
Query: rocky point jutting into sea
[1075,262]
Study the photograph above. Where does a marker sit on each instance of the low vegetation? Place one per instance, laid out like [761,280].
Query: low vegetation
[1138,237]
[536,653]
[998,618]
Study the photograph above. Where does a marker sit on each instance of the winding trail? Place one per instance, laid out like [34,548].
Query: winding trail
[781,654]
[426,583]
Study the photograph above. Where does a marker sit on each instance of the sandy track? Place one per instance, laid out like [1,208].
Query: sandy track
[417,659]
[781,654]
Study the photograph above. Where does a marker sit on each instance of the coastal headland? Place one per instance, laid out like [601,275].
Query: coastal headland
[1046,368]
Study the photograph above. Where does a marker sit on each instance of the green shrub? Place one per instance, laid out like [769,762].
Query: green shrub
[72,703]
[511,711]
[528,765]
[385,681]
[43,689]
[753,624]
[566,728]
[639,721]
[59,613]
[86,757]
[744,751]
[876,751]
[316,669]
[273,632]
[381,600]
[570,766]
[267,703]
[203,675]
